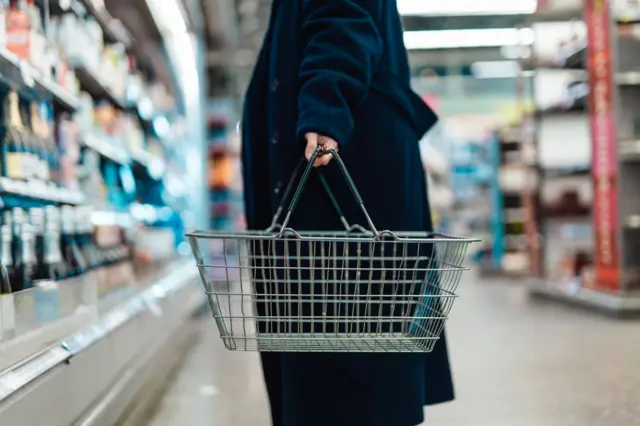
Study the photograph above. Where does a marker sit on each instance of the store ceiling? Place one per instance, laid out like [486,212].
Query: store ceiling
[233,31]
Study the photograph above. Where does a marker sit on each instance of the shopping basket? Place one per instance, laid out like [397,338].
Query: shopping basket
[357,290]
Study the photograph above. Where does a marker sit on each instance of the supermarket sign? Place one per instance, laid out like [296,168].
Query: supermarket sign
[603,135]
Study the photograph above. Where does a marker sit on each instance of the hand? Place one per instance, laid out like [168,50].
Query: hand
[313,141]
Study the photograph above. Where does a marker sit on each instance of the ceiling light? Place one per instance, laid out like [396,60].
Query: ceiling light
[452,39]
[466,7]
[168,15]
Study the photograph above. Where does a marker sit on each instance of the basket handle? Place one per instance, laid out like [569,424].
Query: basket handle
[303,180]
[287,192]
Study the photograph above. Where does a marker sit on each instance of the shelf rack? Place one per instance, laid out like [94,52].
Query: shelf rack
[32,191]
[611,282]
[93,84]
[19,74]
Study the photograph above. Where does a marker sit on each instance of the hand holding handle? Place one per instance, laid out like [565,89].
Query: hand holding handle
[303,180]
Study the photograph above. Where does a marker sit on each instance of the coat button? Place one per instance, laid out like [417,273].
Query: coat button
[275,138]
[278,188]
[274,85]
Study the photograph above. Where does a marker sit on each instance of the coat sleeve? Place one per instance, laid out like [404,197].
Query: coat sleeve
[341,50]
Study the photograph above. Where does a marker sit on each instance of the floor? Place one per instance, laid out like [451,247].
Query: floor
[517,362]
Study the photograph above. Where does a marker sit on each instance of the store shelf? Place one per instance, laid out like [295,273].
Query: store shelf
[58,7]
[111,218]
[629,151]
[629,78]
[39,192]
[567,172]
[113,33]
[632,222]
[106,149]
[126,337]
[612,304]
[575,58]
[91,81]
[19,73]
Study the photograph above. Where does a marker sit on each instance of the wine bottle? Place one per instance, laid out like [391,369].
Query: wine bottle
[50,153]
[17,219]
[41,271]
[80,237]
[12,149]
[29,145]
[8,272]
[73,259]
[28,255]
[41,167]
[35,18]
[90,237]
[7,303]
[53,258]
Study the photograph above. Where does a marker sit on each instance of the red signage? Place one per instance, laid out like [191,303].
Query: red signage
[603,142]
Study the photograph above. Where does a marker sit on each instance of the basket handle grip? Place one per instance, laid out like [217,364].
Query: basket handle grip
[303,180]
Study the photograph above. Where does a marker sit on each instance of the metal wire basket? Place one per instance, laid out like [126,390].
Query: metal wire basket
[355,290]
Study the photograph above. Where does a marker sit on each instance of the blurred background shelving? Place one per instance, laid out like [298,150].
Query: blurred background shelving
[121,130]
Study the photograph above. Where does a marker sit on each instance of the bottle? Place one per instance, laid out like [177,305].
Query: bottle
[36,216]
[41,164]
[7,303]
[53,258]
[12,144]
[53,154]
[28,255]
[7,273]
[90,237]
[3,23]
[16,218]
[74,262]
[17,28]
[29,145]
[82,238]
[49,145]
[35,18]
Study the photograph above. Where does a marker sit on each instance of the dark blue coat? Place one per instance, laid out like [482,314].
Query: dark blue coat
[339,68]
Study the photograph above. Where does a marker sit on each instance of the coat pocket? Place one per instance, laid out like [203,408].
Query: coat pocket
[419,114]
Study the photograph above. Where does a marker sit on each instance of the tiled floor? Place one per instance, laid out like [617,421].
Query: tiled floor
[517,362]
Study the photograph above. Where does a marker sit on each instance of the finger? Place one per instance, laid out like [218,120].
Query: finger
[327,143]
[323,161]
[312,144]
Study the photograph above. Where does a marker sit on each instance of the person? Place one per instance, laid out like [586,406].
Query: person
[335,73]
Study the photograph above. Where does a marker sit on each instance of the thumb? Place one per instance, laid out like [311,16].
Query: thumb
[312,144]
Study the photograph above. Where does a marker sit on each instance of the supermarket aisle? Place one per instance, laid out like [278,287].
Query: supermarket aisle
[517,362]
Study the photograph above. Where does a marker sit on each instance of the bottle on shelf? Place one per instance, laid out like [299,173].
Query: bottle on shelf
[36,216]
[35,18]
[74,262]
[12,147]
[52,258]
[29,145]
[7,304]
[28,255]
[52,152]
[3,23]
[18,29]
[16,218]
[84,237]
[40,133]
[7,272]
